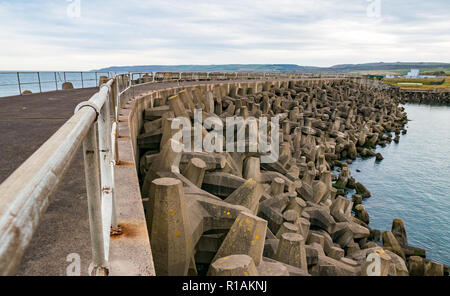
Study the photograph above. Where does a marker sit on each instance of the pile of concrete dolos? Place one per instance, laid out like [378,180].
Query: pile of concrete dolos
[229,213]
[426,97]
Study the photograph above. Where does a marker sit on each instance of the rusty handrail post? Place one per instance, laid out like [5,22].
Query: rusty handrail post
[92,173]
[18,81]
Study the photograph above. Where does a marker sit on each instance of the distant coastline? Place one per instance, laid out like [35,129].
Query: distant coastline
[375,68]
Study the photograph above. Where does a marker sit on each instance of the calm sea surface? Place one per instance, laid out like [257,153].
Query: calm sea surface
[413,181]
[29,81]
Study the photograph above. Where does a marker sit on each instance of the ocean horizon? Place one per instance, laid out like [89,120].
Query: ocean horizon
[49,80]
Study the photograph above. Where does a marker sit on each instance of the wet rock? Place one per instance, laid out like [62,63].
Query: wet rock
[379,157]
[375,235]
[351,184]
[357,199]
[362,190]
[391,243]
[416,266]
[398,230]
[414,251]
[433,268]
[361,213]
[342,181]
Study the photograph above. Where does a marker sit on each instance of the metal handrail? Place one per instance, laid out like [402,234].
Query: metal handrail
[26,193]
[152,77]
[19,81]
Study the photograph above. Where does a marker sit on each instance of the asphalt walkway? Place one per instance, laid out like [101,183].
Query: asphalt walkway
[26,122]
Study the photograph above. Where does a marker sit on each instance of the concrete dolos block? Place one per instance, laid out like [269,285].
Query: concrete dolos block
[169,229]
[291,250]
[246,236]
[233,265]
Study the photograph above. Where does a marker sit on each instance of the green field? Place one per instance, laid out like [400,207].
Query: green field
[426,83]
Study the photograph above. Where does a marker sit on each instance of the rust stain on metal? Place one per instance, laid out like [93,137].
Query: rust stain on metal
[116,230]
[125,163]
[131,230]
[100,271]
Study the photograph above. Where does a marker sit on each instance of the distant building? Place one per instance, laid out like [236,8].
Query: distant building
[414,73]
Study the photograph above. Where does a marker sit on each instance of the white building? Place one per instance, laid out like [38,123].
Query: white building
[414,73]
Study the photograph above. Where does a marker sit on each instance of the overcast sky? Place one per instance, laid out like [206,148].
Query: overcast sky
[50,35]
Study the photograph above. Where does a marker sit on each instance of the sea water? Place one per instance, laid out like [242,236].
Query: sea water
[413,181]
[50,81]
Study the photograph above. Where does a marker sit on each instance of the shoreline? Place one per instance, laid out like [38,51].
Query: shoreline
[438,98]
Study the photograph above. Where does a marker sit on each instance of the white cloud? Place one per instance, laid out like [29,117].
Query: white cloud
[306,32]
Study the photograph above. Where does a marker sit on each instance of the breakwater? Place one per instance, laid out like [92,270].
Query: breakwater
[425,97]
[228,213]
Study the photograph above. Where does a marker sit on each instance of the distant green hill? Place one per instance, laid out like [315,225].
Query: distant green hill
[374,68]
[212,68]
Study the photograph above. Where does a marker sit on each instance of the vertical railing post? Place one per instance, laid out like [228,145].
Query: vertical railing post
[18,83]
[39,81]
[116,122]
[82,83]
[115,229]
[92,176]
[56,81]
[117,98]
[106,173]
